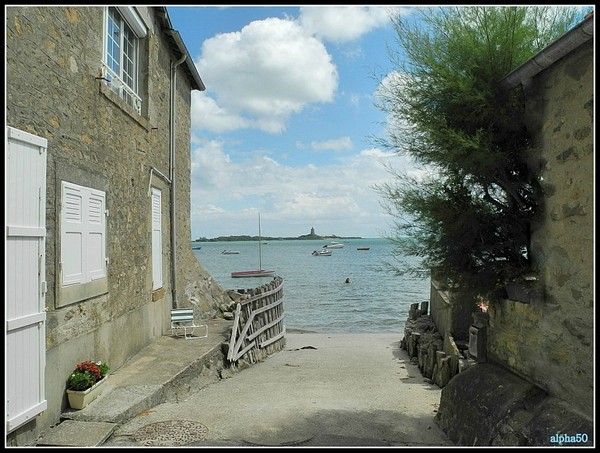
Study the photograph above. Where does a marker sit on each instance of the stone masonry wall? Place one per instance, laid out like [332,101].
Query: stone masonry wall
[549,341]
[95,139]
[439,356]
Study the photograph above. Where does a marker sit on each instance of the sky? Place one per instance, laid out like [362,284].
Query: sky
[286,126]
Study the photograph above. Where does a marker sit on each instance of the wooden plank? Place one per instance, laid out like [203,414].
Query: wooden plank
[233,331]
[267,307]
[243,351]
[242,337]
[260,296]
[273,339]
[265,327]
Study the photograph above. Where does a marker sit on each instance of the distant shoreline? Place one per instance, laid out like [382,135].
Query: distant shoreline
[267,238]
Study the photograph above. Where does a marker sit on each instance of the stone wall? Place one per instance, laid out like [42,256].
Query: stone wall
[488,405]
[549,339]
[438,355]
[451,310]
[95,139]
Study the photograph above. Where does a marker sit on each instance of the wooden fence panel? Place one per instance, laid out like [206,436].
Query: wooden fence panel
[258,328]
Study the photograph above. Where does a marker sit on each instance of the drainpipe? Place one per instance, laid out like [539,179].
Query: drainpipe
[172,150]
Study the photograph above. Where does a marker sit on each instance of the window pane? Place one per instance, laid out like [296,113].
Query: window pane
[129,40]
[112,47]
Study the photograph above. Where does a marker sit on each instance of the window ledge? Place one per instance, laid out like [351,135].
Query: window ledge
[158,294]
[119,102]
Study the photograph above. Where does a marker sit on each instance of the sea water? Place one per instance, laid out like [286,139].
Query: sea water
[315,295]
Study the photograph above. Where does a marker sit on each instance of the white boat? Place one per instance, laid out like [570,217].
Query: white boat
[260,272]
[230,252]
[323,252]
[334,245]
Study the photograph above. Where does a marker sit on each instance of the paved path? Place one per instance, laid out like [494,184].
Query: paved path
[320,390]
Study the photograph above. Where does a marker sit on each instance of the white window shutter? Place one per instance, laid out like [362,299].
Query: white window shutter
[83,234]
[157,280]
[72,231]
[96,239]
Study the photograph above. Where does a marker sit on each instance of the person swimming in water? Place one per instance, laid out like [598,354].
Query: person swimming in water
[347,280]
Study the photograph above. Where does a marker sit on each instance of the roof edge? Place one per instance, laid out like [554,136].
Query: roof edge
[181,47]
[568,42]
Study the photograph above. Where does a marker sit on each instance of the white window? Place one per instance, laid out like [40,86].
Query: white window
[122,33]
[157,281]
[83,237]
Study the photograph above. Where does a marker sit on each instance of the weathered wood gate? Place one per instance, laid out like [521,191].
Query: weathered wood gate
[25,211]
[258,328]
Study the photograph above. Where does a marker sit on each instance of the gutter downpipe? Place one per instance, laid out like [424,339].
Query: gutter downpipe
[172,149]
[572,39]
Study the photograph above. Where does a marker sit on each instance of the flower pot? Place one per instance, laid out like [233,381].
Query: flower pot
[78,399]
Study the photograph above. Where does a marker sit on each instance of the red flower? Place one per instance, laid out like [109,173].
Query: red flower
[90,368]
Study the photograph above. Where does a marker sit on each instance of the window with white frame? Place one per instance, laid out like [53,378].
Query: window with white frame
[120,68]
[83,263]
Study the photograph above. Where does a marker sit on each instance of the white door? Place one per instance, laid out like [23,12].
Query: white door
[25,214]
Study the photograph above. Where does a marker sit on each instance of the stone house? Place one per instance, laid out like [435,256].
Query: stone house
[98,104]
[536,376]
[549,338]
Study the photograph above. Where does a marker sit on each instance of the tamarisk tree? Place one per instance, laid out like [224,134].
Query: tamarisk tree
[468,215]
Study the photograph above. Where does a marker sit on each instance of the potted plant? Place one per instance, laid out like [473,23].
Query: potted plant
[85,383]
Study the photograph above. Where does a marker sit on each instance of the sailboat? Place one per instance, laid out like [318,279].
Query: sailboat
[260,272]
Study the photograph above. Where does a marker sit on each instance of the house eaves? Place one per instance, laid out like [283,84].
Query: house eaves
[179,48]
[568,42]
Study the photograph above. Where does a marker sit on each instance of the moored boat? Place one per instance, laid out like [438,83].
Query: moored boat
[254,273]
[334,245]
[230,252]
[323,252]
[363,248]
[260,272]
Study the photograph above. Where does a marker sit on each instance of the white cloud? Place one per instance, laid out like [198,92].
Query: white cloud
[227,194]
[264,73]
[207,115]
[343,23]
[338,144]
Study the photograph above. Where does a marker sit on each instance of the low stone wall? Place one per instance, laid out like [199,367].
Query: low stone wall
[482,403]
[439,357]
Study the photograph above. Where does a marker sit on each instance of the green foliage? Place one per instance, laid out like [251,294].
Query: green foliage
[86,374]
[80,381]
[104,368]
[469,217]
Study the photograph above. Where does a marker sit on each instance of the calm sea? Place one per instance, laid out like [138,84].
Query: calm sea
[316,297]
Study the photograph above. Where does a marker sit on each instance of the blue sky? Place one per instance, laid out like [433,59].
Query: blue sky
[285,125]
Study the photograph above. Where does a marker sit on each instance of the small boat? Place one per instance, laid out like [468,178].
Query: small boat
[334,245]
[363,248]
[256,273]
[260,272]
[230,252]
[196,247]
[322,253]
